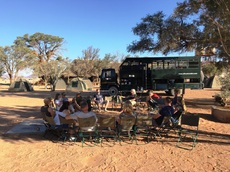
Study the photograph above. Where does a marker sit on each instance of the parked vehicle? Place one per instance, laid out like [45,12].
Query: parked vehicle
[155,73]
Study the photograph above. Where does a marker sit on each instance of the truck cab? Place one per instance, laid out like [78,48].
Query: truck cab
[109,81]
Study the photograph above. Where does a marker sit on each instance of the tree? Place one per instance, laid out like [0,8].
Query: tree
[193,26]
[53,70]
[1,68]
[15,58]
[209,69]
[213,21]
[44,46]
[225,81]
[91,65]
[85,66]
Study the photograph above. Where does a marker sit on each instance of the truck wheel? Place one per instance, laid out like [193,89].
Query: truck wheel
[113,91]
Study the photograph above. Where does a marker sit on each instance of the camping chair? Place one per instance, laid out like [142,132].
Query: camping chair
[59,131]
[189,127]
[144,127]
[69,124]
[107,128]
[168,124]
[85,133]
[46,124]
[124,129]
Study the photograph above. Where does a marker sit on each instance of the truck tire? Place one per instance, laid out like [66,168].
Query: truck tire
[113,91]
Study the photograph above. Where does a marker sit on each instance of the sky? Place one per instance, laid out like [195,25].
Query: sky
[103,24]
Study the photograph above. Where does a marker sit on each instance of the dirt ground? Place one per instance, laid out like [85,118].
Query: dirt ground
[35,153]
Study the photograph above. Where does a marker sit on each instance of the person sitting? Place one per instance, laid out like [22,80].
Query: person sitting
[167,110]
[52,102]
[132,97]
[99,100]
[64,98]
[75,103]
[65,106]
[58,101]
[84,113]
[127,111]
[151,100]
[178,104]
[48,110]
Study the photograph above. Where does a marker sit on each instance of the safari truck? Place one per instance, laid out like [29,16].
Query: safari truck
[153,73]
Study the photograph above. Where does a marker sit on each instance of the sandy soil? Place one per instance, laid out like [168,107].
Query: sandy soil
[34,153]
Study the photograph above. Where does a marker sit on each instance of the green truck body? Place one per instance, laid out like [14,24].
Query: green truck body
[153,73]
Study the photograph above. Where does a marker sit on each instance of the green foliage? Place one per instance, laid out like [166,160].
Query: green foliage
[214,68]
[209,69]
[193,26]
[225,82]
[14,59]
[44,46]
[1,68]
[51,71]
[91,65]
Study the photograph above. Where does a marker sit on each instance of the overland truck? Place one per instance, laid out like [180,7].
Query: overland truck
[153,73]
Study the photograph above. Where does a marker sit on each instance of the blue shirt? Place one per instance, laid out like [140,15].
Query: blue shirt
[167,111]
[98,97]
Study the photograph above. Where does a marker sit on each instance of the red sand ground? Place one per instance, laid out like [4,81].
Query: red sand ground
[34,153]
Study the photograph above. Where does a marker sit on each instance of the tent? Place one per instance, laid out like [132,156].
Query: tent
[212,82]
[80,84]
[60,85]
[21,85]
[216,82]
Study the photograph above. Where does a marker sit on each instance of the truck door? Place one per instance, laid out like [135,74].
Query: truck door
[108,78]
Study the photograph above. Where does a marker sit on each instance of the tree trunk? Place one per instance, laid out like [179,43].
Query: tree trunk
[11,78]
[53,87]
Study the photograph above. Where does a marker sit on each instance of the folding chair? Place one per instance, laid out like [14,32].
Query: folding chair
[165,126]
[144,127]
[189,127]
[126,126]
[88,129]
[66,121]
[107,128]
[70,125]
[168,124]
[59,131]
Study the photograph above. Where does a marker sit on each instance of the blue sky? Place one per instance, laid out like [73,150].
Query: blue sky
[103,24]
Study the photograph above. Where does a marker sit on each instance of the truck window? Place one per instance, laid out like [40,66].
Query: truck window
[135,63]
[160,65]
[157,65]
[193,64]
[169,64]
[182,64]
[106,74]
[125,64]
